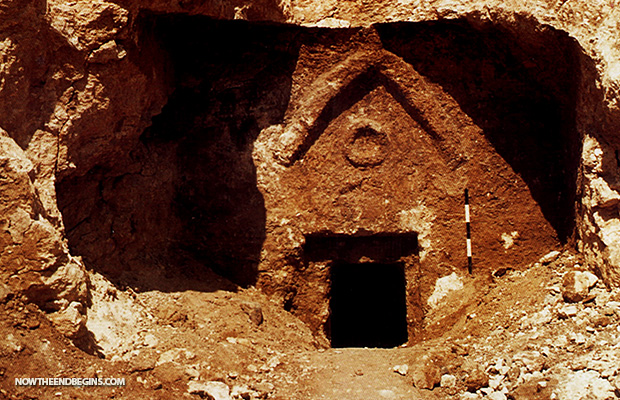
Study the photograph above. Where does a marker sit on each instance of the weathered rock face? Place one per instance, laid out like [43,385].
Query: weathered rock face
[351,124]
[35,260]
[371,146]
[594,26]
[66,113]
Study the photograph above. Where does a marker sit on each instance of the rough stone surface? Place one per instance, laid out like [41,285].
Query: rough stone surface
[576,285]
[444,286]
[209,390]
[448,381]
[89,95]
[5,292]
[34,256]
[533,361]
[585,385]
[132,146]
[70,321]
[549,257]
[568,311]
[401,369]
[254,311]
[426,376]
[475,377]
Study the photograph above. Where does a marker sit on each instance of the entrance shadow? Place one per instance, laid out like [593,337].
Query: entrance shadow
[523,96]
[368,305]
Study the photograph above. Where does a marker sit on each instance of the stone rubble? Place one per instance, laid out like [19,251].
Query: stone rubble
[426,374]
[567,350]
[583,332]
[209,390]
[549,257]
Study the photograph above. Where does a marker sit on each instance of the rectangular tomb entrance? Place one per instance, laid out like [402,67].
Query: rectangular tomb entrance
[372,286]
[368,305]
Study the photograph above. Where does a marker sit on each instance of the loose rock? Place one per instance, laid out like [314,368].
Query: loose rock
[497,396]
[209,390]
[427,376]
[549,257]
[401,369]
[254,311]
[584,385]
[5,292]
[568,311]
[70,321]
[475,376]
[448,381]
[576,285]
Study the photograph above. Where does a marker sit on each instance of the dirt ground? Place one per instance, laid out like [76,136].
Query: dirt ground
[516,339]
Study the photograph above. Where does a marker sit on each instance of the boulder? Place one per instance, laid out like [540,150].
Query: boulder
[426,376]
[448,381]
[576,285]
[475,377]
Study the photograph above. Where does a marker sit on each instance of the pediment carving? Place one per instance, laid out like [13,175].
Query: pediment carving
[343,85]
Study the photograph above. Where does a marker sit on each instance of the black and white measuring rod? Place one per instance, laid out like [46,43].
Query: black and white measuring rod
[467,223]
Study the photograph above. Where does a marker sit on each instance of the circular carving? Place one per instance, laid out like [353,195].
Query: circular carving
[367,147]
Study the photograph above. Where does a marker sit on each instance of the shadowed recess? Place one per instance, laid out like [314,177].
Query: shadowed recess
[383,247]
[522,94]
[368,307]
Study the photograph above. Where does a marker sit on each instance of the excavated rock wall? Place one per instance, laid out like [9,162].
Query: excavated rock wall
[594,26]
[384,133]
[81,83]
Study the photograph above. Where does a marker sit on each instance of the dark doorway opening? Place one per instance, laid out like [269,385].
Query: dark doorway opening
[368,305]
